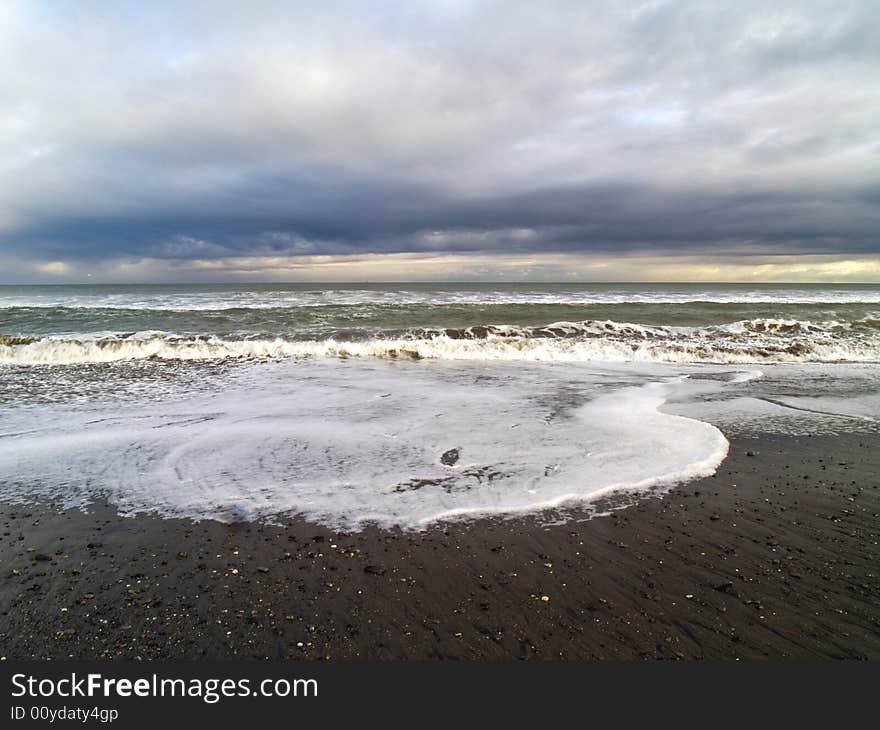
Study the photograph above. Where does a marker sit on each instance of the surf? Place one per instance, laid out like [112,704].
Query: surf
[371,443]
[763,340]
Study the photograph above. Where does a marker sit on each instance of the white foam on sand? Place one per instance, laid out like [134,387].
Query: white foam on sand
[358,442]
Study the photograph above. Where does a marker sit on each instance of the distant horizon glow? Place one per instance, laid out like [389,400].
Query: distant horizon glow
[493,268]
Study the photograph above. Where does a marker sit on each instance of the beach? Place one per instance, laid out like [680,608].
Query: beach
[775,556]
[473,471]
[384,349]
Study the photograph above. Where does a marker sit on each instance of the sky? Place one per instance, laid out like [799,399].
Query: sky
[444,140]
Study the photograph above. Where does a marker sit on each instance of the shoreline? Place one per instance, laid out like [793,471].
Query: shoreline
[775,556]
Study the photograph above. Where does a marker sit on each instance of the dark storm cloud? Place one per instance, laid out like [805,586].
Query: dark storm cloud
[579,219]
[209,130]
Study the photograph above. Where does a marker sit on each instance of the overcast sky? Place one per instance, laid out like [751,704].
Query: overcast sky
[152,141]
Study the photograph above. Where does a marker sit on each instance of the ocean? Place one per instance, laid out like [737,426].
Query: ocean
[407,405]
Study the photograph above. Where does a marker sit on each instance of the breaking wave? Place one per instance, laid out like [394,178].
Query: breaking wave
[260,298]
[747,341]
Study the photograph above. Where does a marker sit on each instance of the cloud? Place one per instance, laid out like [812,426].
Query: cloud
[221,131]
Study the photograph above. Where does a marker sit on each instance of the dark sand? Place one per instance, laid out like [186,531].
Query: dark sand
[775,556]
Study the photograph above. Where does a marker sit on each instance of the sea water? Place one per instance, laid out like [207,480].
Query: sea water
[408,405]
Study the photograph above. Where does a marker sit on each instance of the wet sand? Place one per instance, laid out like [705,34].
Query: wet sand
[775,556]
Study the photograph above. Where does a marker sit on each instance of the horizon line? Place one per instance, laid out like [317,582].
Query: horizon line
[377,282]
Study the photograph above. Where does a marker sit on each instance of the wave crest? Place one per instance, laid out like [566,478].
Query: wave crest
[748,341]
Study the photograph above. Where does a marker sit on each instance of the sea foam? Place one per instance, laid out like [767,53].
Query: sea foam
[742,342]
[179,299]
[353,443]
